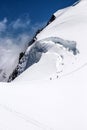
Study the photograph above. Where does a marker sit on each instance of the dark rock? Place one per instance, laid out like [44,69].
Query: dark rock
[76,2]
[51,19]
[21,55]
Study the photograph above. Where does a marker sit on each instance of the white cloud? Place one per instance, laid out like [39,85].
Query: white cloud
[9,36]
[12,44]
[20,24]
[3,25]
[14,37]
[10,48]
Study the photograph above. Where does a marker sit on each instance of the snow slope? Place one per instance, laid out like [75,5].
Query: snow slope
[45,105]
[70,24]
[38,99]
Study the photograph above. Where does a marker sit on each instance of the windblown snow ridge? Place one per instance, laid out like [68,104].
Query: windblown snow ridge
[35,51]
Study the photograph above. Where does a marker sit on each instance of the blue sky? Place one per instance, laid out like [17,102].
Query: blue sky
[19,19]
[37,10]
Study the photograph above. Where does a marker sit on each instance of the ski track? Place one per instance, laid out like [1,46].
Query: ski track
[76,70]
[26,118]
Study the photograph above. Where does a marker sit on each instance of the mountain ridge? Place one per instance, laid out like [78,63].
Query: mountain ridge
[50,30]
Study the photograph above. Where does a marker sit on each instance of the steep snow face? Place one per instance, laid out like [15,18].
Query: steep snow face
[68,29]
[51,55]
[70,23]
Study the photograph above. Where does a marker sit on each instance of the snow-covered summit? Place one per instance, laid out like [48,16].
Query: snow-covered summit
[67,18]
